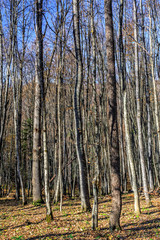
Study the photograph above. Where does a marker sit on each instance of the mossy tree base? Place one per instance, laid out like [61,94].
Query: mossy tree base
[49,218]
[38,202]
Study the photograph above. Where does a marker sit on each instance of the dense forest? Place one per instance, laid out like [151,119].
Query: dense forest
[79,103]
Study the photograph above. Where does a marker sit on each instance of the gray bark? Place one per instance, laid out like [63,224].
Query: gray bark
[112,120]
[85,203]
[124,100]
[139,114]
[96,128]
[36,181]
[148,108]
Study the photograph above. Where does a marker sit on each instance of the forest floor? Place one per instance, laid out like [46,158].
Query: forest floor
[28,222]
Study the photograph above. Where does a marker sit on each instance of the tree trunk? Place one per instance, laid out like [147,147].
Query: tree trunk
[49,215]
[155,111]
[130,157]
[36,181]
[112,120]
[127,134]
[96,128]
[17,99]
[139,115]
[85,203]
[148,107]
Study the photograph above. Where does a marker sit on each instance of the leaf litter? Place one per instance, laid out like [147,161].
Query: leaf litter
[28,222]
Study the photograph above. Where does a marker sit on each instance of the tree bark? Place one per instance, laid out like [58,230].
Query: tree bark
[96,129]
[148,107]
[155,111]
[36,181]
[17,99]
[124,99]
[139,115]
[112,120]
[49,215]
[85,203]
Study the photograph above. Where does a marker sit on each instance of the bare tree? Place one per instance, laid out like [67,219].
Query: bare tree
[148,105]
[36,181]
[17,98]
[85,203]
[97,147]
[112,120]
[125,112]
[140,142]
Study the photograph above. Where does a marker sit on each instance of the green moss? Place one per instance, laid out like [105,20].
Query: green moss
[38,202]
[49,218]
[18,238]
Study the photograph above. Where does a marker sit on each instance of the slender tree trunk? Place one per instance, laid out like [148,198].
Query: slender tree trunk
[130,157]
[1,67]
[124,99]
[139,125]
[17,99]
[96,136]
[85,203]
[36,181]
[112,120]
[60,145]
[148,107]
[1,91]
[49,215]
[155,112]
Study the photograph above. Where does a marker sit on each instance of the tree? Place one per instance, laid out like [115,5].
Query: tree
[148,105]
[140,142]
[125,112]
[97,147]
[49,215]
[17,99]
[85,203]
[112,119]
[155,111]
[36,181]
[4,86]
